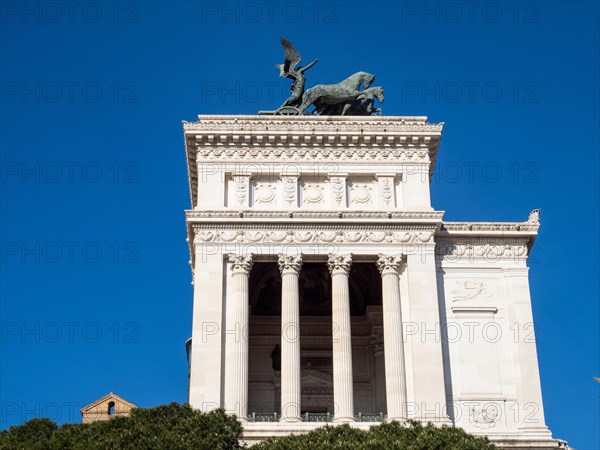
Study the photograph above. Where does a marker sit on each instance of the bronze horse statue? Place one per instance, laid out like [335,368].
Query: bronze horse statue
[363,105]
[345,92]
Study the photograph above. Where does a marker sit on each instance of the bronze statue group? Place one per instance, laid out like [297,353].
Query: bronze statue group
[353,96]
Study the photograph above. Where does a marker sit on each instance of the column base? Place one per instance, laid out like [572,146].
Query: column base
[344,419]
[290,420]
[402,420]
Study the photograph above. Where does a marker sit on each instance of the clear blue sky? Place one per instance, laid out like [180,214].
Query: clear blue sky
[96,293]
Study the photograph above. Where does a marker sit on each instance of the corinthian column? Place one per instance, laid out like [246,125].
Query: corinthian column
[236,337]
[290,337]
[343,392]
[395,376]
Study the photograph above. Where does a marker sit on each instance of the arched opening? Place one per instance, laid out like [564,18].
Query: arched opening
[111,408]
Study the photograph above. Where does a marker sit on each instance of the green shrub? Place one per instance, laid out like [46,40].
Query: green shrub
[390,436]
[164,427]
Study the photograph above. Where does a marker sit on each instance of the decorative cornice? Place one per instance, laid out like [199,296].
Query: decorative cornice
[312,123]
[270,216]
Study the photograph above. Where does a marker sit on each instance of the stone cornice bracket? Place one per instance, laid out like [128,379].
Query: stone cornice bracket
[240,263]
[339,263]
[389,263]
[289,263]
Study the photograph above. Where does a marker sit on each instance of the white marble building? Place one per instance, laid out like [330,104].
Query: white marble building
[326,288]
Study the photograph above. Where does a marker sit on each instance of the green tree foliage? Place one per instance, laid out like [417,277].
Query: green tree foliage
[34,434]
[165,427]
[179,427]
[386,436]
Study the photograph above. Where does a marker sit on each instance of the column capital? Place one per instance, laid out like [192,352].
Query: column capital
[339,263]
[240,263]
[289,263]
[389,263]
[376,343]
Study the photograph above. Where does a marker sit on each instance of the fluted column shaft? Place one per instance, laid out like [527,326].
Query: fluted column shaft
[236,337]
[395,375]
[290,337]
[343,389]
[376,344]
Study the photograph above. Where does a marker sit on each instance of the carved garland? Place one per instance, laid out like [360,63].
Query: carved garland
[276,236]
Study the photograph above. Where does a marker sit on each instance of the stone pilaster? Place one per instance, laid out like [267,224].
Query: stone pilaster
[343,389]
[236,337]
[395,375]
[289,267]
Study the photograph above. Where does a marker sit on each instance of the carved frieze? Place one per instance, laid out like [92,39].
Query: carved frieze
[310,235]
[490,251]
[303,154]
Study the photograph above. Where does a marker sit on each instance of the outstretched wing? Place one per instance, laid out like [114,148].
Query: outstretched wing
[292,57]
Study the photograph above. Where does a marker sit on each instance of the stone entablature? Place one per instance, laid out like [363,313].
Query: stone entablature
[311,162]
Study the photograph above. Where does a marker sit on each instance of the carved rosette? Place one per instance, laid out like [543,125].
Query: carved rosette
[339,263]
[290,263]
[240,263]
[389,263]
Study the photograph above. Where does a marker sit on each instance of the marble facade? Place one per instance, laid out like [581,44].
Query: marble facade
[327,289]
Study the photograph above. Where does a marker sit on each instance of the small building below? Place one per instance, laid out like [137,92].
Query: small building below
[109,406]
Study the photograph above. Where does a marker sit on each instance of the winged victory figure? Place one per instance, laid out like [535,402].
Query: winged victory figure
[290,69]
